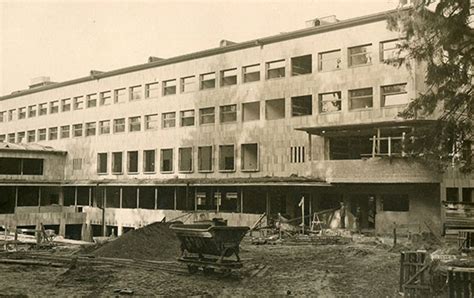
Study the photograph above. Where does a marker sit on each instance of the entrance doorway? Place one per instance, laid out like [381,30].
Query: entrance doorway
[363,206]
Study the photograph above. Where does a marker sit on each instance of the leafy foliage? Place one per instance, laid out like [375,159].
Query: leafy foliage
[439,38]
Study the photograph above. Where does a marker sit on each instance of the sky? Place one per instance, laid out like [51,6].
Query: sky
[64,40]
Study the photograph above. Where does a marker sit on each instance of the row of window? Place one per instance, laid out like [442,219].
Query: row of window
[327,61]
[205,158]
[274,109]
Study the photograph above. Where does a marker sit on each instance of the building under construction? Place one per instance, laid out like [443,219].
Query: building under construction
[235,131]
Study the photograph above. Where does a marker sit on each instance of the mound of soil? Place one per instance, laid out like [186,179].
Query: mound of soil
[153,242]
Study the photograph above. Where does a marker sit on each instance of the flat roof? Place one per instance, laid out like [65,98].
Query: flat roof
[215,51]
[403,123]
[30,147]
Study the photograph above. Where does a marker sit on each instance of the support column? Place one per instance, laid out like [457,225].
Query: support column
[61,197]
[16,197]
[75,196]
[104,201]
[267,205]
[62,225]
[175,198]
[156,198]
[459,194]
[39,196]
[138,197]
[120,198]
[90,196]
[241,200]
[195,201]
[310,149]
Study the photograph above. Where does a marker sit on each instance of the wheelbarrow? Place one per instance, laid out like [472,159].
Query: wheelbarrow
[209,246]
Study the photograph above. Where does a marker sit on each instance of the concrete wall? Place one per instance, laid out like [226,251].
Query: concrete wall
[53,166]
[274,137]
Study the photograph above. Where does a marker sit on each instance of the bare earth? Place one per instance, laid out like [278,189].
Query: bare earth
[359,269]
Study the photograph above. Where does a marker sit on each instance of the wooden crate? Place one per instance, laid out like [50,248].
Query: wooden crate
[414,276]
[460,282]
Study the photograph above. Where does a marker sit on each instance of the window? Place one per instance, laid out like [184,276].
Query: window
[393,95]
[187,118]
[251,111]
[31,111]
[11,137]
[360,55]
[249,157]
[2,138]
[395,202]
[78,103]
[20,137]
[226,157]
[76,164]
[152,90]
[105,98]
[452,194]
[65,105]
[275,109]
[102,163]
[301,105]
[31,136]
[132,164]
[275,69]
[330,60]
[297,154]
[390,51]
[65,131]
[11,115]
[120,95]
[251,73]
[43,109]
[330,102]
[134,123]
[104,127]
[301,65]
[151,121]
[53,133]
[54,107]
[360,98]
[32,166]
[90,129]
[41,134]
[169,120]
[2,115]
[116,162]
[185,162]
[91,100]
[149,161]
[135,93]
[166,160]
[205,159]
[22,113]
[206,115]
[228,113]
[21,166]
[119,125]
[169,87]
[228,77]
[208,81]
[188,84]
[77,130]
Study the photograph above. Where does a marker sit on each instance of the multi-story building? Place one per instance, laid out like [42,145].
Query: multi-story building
[237,130]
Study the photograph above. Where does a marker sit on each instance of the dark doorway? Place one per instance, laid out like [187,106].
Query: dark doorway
[363,206]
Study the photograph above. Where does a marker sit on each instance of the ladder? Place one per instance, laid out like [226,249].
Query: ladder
[316,222]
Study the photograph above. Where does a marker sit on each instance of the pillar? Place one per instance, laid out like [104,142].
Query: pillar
[61,197]
[90,196]
[75,196]
[120,197]
[39,196]
[62,225]
[156,198]
[138,197]
[16,197]
[267,206]
[241,200]
[119,229]
[310,149]
[175,198]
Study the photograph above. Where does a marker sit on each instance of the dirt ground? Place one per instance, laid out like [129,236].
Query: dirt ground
[362,269]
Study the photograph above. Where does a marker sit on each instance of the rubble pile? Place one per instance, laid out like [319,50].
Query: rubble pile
[153,242]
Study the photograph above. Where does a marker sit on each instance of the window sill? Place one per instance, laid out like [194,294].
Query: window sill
[360,65]
[207,124]
[117,173]
[395,106]
[226,171]
[186,172]
[166,172]
[271,79]
[301,75]
[226,86]
[250,170]
[296,116]
[361,109]
[328,113]
[256,81]
[205,171]
[102,174]
[329,70]
[133,173]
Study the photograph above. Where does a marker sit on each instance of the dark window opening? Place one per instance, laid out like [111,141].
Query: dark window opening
[249,157]
[133,161]
[301,65]
[10,166]
[149,161]
[117,162]
[301,105]
[185,163]
[205,159]
[129,197]
[102,163]
[32,166]
[113,197]
[275,69]
[226,158]
[208,81]
[28,196]
[166,160]
[355,147]
[396,202]
[251,73]
[147,197]
[275,109]
[452,194]
[229,77]
[251,111]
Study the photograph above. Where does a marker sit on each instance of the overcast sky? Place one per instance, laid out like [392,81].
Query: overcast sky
[66,39]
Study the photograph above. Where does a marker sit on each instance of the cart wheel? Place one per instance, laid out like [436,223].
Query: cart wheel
[208,270]
[192,269]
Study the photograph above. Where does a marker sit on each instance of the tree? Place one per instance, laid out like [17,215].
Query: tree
[438,35]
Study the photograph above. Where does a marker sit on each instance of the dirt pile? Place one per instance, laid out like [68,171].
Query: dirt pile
[153,242]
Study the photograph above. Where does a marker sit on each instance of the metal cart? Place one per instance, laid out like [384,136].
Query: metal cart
[209,246]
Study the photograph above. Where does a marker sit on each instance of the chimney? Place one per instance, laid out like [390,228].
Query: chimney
[154,59]
[225,43]
[94,73]
[321,21]
[40,82]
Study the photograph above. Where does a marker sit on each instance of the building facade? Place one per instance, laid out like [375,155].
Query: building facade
[234,131]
